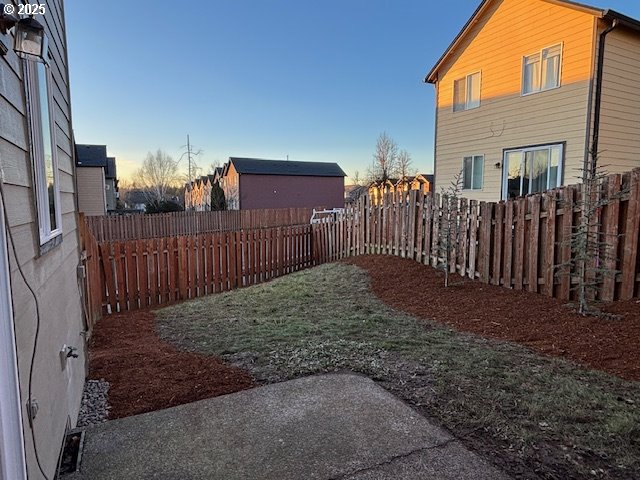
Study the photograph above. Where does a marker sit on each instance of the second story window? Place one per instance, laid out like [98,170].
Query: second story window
[466,92]
[541,71]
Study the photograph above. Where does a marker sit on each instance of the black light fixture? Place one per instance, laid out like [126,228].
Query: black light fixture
[29,36]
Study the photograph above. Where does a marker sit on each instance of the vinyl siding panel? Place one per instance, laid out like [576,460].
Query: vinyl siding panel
[619,145]
[91,200]
[495,46]
[53,275]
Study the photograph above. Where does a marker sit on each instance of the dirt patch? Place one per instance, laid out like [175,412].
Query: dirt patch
[541,323]
[148,374]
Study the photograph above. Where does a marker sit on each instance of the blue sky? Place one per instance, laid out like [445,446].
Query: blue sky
[313,80]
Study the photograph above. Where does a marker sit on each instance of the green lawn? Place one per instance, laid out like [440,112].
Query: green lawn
[530,413]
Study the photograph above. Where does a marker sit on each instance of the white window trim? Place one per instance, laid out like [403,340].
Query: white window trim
[505,166]
[37,155]
[473,156]
[466,99]
[524,59]
[12,456]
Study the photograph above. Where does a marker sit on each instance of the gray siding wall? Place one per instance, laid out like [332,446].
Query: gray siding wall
[91,190]
[110,185]
[52,274]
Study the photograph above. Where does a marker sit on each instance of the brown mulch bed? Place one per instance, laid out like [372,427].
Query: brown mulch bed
[541,323]
[148,374]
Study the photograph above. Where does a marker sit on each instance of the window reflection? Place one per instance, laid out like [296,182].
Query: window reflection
[532,170]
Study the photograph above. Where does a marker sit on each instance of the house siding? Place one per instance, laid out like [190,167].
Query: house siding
[110,192]
[91,184]
[495,46]
[53,274]
[619,144]
[290,191]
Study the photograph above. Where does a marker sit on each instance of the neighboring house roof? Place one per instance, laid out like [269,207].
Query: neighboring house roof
[356,192]
[136,197]
[255,166]
[110,171]
[599,12]
[91,155]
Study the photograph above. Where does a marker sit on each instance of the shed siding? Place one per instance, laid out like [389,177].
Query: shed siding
[53,274]
[91,190]
[288,191]
[496,45]
[619,146]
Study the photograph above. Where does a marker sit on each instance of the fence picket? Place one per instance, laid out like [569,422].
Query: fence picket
[534,242]
[518,260]
[630,248]
[497,243]
[550,244]
[567,230]
[473,244]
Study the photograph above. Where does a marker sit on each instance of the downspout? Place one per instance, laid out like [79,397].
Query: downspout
[435,137]
[598,99]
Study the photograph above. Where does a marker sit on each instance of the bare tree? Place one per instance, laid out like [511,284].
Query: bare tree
[404,168]
[214,165]
[449,227]
[385,159]
[159,172]
[356,179]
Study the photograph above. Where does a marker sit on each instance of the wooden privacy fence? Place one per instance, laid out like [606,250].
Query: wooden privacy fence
[517,243]
[90,282]
[136,227]
[135,274]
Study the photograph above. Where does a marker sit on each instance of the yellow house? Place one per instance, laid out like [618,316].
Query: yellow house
[528,89]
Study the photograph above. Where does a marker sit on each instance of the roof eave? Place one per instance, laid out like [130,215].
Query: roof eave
[432,75]
[622,19]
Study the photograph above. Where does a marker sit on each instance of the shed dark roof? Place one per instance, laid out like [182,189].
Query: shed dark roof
[91,155]
[256,166]
[136,197]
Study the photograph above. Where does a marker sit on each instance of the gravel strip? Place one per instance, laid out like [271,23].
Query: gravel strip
[94,409]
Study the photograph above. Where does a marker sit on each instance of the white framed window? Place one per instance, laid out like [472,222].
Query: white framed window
[43,149]
[541,71]
[466,92]
[531,170]
[472,172]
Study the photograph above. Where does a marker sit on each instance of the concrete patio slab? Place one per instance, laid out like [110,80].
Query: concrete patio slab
[323,427]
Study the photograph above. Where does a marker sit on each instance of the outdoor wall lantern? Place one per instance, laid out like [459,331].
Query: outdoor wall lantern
[29,37]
